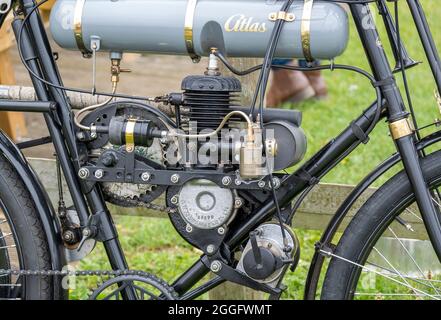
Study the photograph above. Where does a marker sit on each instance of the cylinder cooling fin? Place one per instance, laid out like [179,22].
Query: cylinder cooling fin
[207,100]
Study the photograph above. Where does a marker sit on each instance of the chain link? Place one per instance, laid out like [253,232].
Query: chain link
[77,273]
[157,207]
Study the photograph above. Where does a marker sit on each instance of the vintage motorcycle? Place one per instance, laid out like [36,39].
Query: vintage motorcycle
[220,166]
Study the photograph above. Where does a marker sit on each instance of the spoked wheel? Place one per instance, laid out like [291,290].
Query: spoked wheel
[23,244]
[375,258]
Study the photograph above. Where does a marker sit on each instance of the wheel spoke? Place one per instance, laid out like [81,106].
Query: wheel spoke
[412,258]
[437,203]
[378,273]
[418,295]
[10,285]
[422,281]
[6,235]
[395,269]
[414,214]
[8,247]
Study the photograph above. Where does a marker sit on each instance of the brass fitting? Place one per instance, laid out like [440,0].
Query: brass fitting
[401,128]
[116,70]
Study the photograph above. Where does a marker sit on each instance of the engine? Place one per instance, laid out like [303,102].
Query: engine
[204,160]
[211,158]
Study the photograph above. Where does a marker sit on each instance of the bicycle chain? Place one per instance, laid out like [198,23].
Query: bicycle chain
[77,273]
[156,207]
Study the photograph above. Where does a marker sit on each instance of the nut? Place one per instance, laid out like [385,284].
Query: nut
[145,176]
[276,183]
[188,228]
[174,199]
[99,174]
[210,248]
[226,181]
[87,232]
[174,178]
[83,173]
[68,236]
[261,184]
[238,202]
[215,266]
[221,230]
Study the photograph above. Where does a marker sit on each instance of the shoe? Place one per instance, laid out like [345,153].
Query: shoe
[288,86]
[318,83]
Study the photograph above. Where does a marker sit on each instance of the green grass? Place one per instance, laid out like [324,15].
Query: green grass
[153,245]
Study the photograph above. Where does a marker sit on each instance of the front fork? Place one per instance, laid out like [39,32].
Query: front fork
[401,130]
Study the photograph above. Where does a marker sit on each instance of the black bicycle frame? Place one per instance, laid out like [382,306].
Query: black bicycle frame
[89,202]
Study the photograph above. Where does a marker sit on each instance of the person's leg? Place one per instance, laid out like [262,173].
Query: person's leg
[288,85]
[316,79]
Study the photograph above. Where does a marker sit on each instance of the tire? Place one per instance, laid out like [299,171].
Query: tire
[368,225]
[25,227]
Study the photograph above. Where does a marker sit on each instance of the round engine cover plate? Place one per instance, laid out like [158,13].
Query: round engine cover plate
[205,205]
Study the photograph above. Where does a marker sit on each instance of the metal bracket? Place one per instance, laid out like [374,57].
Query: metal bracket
[95,44]
[324,249]
[130,137]
[306,30]
[78,28]
[228,273]
[188,30]
[401,128]
[282,15]
[5,5]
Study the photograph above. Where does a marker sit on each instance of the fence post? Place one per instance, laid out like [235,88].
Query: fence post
[228,290]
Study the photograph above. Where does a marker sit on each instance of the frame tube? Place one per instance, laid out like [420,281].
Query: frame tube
[426,39]
[27,106]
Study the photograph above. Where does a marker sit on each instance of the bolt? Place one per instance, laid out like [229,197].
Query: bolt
[83,173]
[226,181]
[145,176]
[238,202]
[174,178]
[189,228]
[210,248]
[215,266]
[109,159]
[261,184]
[175,199]
[237,182]
[221,230]
[87,232]
[68,236]
[81,136]
[276,183]
[99,174]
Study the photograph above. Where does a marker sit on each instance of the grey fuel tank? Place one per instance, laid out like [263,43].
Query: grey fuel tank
[239,28]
